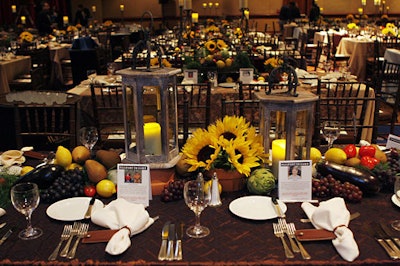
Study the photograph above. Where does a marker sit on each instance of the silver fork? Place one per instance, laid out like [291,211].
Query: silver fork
[74,231]
[292,230]
[279,233]
[283,224]
[64,236]
[83,229]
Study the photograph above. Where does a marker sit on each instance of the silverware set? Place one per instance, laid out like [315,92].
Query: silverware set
[171,242]
[386,238]
[79,230]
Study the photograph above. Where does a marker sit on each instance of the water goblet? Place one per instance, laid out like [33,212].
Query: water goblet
[197,199]
[331,131]
[212,77]
[91,74]
[89,137]
[25,198]
[327,66]
[110,69]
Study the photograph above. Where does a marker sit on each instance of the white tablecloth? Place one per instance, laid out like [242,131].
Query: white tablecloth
[10,69]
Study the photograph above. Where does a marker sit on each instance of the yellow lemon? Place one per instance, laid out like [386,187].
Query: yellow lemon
[72,166]
[261,78]
[63,156]
[207,186]
[106,188]
[315,155]
[220,64]
[228,62]
[229,79]
[336,155]
[26,169]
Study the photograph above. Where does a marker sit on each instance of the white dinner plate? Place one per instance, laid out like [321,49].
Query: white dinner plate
[395,200]
[255,207]
[71,209]
[227,85]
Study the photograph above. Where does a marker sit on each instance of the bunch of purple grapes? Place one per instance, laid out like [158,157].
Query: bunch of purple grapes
[326,187]
[173,190]
[386,172]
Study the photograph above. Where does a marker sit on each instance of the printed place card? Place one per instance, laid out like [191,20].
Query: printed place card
[393,142]
[191,75]
[246,75]
[295,181]
[134,183]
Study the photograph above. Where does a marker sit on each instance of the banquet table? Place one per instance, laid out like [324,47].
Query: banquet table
[10,69]
[232,241]
[358,49]
[392,55]
[58,53]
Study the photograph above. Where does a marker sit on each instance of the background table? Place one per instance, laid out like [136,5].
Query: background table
[10,69]
[358,49]
[233,240]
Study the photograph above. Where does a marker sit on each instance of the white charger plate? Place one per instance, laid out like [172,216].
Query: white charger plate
[395,200]
[227,85]
[71,209]
[255,207]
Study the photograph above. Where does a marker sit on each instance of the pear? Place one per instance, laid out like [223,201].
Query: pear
[108,158]
[80,154]
[95,171]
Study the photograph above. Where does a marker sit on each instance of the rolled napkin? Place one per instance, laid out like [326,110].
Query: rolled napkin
[131,218]
[333,215]
[2,212]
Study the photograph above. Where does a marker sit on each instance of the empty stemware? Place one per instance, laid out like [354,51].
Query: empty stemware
[91,74]
[25,198]
[88,137]
[331,131]
[197,199]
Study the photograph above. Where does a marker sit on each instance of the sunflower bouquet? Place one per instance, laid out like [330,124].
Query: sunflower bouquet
[229,144]
[272,63]
[26,36]
[390,30]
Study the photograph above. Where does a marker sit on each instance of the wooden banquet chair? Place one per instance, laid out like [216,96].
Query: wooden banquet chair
[83,60]
[350,103]
[387,89]
[45,126]
[194,111]
[108,114]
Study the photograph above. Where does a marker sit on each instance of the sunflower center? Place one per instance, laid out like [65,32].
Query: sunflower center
[205,153]
[229,135]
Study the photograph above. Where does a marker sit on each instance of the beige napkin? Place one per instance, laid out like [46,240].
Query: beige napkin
[131,218]
[11,157]
[333,215]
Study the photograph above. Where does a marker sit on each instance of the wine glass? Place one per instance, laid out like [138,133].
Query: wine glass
[212,77]
[110,69]
[88,137]
[91,74]
[396,223]
[25,198]
[327,66]
[331,131]
[197,199]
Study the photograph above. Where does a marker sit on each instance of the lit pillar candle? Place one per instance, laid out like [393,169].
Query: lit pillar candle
[360,10]
[152,138]
[364,2]
[23,20]
[65,20]
[247,14]
[14,9]
[187,4]
[93,9]
[278,154]
[210,5]
[204,5]
[216,5]
[121,7]
[195,17]
[180,2]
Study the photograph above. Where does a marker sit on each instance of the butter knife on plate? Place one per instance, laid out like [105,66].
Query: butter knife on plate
[89,209]
[278,208]
[162,254]
[6,235]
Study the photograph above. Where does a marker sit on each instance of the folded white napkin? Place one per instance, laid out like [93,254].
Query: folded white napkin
[131,218]
[11,157]
[333,215]
[2,212]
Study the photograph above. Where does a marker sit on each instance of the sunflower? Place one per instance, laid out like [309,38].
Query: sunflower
[210,45]
[200,149]
[221,44]
[227,144]
[241,156]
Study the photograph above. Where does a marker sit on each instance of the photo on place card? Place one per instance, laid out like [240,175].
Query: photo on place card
[246,75]
[295,181]
[191,75]
[134,183]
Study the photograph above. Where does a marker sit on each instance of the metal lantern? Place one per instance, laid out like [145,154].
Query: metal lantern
[287,125]
[151,120]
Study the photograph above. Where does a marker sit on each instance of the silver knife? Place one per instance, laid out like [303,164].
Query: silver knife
[388,239]
[389,236]
[162,254]
[6,235]
[278,209]
[171,239]
[178,246]
[89,209]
